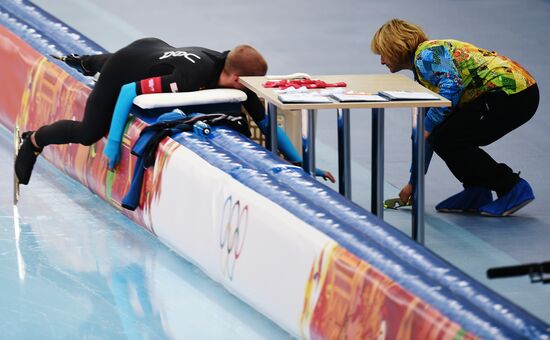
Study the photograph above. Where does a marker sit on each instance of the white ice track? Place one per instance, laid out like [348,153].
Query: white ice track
[77,268]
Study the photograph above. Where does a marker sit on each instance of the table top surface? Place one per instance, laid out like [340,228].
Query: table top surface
[371,83]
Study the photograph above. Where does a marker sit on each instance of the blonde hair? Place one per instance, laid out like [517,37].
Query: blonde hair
[245,60]
[397,40]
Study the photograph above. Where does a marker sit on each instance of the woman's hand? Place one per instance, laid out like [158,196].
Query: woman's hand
[406,193]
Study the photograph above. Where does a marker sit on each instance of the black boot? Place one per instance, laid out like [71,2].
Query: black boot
[26,157]
[75,61]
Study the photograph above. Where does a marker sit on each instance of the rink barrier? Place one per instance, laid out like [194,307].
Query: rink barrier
[313,262]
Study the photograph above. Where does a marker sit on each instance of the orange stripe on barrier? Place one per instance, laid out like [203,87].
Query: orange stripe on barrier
[346,298]
[36,92]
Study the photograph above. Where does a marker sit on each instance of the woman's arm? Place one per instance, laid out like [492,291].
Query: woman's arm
[435,65]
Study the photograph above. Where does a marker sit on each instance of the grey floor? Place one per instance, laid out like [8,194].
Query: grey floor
[330,37]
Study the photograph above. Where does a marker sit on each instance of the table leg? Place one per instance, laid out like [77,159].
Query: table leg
[308,140]
[377,178]
[271,140]
[344,153]
[418,197]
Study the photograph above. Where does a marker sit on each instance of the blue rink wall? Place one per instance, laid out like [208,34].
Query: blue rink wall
[315,263]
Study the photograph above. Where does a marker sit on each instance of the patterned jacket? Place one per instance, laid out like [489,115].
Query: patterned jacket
[461,72]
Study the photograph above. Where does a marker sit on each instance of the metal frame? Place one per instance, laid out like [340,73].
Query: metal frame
[308,140]
[417,232]
[377,175]
[344,153]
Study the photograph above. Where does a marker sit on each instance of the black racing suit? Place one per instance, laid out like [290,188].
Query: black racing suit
[156,67]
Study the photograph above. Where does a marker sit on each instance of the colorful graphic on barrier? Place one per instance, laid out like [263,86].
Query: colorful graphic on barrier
[152,180]
[38,92]
[346,298]
[50,95]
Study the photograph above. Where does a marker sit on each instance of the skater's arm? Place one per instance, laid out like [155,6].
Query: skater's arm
[289,151]
[118,122]
[122,109]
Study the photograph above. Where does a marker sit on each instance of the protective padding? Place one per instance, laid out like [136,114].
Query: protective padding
[212,96]
[313,262]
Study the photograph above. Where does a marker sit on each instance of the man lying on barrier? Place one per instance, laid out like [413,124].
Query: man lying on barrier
[146,66]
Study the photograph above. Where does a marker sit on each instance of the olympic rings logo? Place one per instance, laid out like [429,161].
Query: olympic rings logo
[232,234]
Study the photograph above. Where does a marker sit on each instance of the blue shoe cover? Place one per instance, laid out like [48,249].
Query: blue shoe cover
[520,195]
[468,200]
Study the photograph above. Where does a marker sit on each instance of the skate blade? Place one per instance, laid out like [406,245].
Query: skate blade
[16,144]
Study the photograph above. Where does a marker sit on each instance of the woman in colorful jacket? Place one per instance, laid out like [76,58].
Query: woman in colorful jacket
[491,95]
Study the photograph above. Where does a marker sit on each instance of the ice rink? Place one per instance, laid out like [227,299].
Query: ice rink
[69,248]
